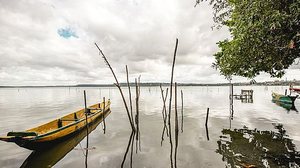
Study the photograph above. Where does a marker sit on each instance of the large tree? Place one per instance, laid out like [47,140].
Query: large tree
[265,36]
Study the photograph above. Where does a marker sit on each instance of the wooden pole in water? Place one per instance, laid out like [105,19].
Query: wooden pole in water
[138,118]
[176,127]
[118,86]
[170,104]
[137,113]
[181,111]
[206,121]
[87,128]
[285,93]
[207,134]
[103,115]
[129,92]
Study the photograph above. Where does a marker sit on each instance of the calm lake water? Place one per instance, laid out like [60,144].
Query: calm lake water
[261,133]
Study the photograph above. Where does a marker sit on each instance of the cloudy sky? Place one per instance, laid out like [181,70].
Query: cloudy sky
[52,42]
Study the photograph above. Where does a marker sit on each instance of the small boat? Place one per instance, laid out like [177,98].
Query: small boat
[59,129]
[295,89]
[284,98]
[50,156]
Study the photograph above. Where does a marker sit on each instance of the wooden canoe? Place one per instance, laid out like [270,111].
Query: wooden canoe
[58,129]
[284,98]
[50,156]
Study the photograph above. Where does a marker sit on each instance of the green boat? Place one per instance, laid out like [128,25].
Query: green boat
[286,105]
[284,98]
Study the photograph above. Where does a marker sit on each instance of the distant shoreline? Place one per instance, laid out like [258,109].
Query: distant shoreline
[276,83]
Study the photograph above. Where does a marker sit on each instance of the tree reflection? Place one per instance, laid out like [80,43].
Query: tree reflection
[254,148]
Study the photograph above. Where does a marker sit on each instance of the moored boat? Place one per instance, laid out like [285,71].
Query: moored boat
[295,89]
[50,156]
[284,98]
[58,129]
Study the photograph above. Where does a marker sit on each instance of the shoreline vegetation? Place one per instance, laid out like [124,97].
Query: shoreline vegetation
[156,84]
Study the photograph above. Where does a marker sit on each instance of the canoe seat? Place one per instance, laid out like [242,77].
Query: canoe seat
[59,123]
[68,119]
[75,116]
[22,134]
[88,111]
[95,108]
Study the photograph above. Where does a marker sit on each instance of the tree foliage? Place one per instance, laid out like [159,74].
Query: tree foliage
[265,36]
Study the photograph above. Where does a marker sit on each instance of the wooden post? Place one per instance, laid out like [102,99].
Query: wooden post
[285,93]
[137,114]
[103,114]
[231,100]
[181,111]
[129,92]
[207,133]
[87,128]
[207,113]
[176,127]
[170,104]
[206,122]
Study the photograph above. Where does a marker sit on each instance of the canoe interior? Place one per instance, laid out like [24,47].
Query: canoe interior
[65,120]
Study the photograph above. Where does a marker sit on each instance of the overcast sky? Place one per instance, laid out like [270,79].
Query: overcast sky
[52,42]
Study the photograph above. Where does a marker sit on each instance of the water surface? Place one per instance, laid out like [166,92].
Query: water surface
[23,108]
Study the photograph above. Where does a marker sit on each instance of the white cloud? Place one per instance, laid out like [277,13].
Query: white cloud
[138,33]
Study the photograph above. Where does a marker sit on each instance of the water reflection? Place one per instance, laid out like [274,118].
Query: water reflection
[53,154]
[287,106]
[129,146]
[254,148]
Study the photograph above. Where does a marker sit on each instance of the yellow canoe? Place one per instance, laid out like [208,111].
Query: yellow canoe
[58,129]
[50,156]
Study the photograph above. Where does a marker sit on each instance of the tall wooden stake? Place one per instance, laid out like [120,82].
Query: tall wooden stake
[176,127]
[181,111]
[137,113]
[129,92]
[87,128]
[170,104]
[103,115]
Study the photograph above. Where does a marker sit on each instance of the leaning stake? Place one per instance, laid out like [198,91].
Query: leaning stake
[118,86]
